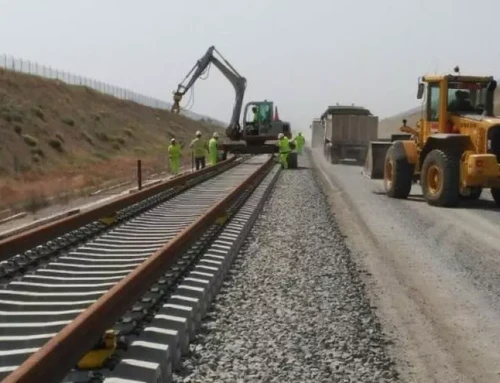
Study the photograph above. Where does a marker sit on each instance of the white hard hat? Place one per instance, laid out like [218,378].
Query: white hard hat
[280,136]
[216,134]
[172,140]
[198,133]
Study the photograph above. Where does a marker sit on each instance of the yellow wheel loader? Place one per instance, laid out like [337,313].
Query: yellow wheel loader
[454,151]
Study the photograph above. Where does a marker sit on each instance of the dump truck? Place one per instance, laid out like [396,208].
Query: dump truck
[348,131]
[454,149]
[260,126]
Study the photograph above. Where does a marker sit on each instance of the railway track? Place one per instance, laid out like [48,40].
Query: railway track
[144,277]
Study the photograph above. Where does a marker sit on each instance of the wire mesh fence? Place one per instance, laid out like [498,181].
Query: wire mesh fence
[31,67]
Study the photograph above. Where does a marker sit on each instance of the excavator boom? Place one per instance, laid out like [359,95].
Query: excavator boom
[252,136]
[233,131]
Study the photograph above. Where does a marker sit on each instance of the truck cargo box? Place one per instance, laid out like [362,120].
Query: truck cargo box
[348,131]
[351,130]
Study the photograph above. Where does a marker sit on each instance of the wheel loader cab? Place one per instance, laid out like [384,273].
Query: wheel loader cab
[451,99]
[456,147]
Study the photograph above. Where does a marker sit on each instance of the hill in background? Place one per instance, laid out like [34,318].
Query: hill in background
[57,138]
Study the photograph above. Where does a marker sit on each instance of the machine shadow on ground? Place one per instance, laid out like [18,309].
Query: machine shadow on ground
[480,204]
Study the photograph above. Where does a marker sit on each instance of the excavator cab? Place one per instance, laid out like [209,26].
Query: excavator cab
[260,124]
[258,117]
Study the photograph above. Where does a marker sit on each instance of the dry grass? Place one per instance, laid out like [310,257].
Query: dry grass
[57,139]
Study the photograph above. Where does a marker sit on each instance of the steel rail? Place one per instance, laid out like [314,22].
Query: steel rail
[60,354]
[24,241]
[48,293]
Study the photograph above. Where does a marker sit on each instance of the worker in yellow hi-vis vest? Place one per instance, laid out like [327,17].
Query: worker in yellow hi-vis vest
[299,142]
[200,148]
[174,155]
[213,150]
[284,150]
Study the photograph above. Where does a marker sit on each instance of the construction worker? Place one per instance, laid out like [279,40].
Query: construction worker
[256,115]
[174,155]
[213,151]
[199,147]
[284,149]
[461,103]
[299,142]
[256,120]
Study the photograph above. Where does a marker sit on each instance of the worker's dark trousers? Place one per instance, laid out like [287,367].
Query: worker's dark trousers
[200,162]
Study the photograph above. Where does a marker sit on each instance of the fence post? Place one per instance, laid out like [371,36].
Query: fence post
[139,175]
[33,67]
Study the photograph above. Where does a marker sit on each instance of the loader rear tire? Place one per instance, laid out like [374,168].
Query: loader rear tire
[440,179]
[333,156]
[398,175]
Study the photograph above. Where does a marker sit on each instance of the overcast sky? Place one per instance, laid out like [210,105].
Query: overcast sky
[303,55]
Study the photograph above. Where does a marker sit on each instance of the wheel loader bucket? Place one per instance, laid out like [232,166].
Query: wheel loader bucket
[374,164]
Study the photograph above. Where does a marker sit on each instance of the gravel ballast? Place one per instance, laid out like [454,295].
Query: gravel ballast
[294,308]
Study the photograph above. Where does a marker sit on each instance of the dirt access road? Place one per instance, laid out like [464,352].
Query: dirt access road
[433,273]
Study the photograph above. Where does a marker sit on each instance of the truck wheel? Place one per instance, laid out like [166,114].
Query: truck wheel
[495,192]
[474,194]
[326,152]
[440,179]
[398,175]
[334,156]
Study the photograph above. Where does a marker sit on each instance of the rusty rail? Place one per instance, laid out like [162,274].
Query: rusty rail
[61,353]
[24,241]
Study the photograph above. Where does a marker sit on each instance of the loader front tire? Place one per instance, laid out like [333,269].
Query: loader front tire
[495,193]
[398,175]
[334,157]
[474,195]
[440,178]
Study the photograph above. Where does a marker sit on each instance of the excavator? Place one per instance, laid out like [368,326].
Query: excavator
[252,136]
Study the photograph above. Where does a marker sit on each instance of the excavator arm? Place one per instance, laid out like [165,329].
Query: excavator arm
[233,131]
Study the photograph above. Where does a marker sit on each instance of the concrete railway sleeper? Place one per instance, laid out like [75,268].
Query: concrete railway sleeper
[160,326]
[37,306]
[19,264]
